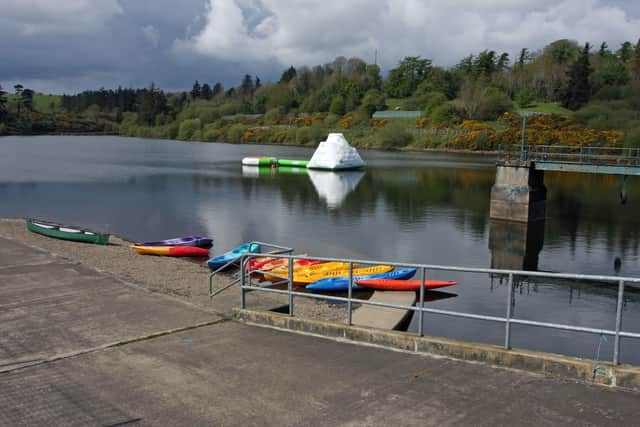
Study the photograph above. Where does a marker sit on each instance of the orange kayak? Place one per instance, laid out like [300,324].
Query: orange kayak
[171,250]
[270,263]
[403,285]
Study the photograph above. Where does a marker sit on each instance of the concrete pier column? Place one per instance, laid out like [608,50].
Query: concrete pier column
[519,193]
[515,245]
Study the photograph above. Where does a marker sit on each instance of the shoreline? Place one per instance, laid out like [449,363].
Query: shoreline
[408,149]
[173,276]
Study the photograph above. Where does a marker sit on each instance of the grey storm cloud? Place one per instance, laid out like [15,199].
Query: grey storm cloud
[70,45]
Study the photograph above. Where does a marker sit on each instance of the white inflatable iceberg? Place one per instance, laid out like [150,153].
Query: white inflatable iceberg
[335,154]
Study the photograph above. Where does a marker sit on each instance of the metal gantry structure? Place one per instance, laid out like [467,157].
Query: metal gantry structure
[566,158]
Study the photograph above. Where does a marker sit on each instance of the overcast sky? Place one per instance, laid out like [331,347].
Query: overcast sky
[71,45]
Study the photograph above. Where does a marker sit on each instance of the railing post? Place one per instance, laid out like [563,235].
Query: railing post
[420,312]
[523,155]
[290,287]
[349,294]
[616,343]
[243,299]
[507,326]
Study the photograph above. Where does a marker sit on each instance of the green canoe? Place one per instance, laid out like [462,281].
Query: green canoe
[67,233]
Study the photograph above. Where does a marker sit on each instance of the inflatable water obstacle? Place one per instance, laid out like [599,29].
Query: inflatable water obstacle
[333,154]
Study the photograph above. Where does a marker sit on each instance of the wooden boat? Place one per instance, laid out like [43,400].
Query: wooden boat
[191,251]
[198,241]
[232,255]
[341,284]
[58,231]
[403,285]
[305,270]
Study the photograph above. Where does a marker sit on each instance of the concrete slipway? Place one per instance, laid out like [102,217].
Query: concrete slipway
[80,346]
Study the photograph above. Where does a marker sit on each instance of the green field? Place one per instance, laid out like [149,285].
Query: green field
[545,107]
[42,102]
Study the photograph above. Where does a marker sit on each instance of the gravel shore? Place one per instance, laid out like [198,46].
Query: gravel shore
[182,278]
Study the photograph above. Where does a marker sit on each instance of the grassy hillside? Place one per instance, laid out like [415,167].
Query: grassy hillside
[42,102]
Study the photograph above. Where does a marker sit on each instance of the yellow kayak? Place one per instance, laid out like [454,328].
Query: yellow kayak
[365,271]
[310,276]
[306,269]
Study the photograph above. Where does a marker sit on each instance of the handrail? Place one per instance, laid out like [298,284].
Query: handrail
[279,250]
[508,320]
[575,154]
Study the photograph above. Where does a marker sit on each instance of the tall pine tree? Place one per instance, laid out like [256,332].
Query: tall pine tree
[195,91]
[246,87]
[578,89]
[217,89]
[3,104]
[206,91]
[635,63]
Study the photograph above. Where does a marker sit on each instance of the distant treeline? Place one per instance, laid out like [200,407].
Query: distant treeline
[598,87]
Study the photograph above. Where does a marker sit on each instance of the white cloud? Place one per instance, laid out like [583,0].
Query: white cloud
[151,34]
[312,32]
[33,17]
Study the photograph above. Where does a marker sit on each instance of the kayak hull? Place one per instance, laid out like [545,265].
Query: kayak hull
[58,231]
[177,251]
[266,264]
[232,255]
[341,284]
[198,241]
[300,271]
[303,278]
[403,285]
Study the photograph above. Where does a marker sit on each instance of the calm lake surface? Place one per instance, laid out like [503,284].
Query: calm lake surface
[405,207]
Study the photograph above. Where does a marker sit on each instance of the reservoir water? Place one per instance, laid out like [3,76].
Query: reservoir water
[405,207]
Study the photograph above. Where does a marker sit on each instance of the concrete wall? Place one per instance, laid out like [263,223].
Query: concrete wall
[545,363]
[519,193]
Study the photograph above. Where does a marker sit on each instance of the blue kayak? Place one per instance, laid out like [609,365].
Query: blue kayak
[233,255]
[341,284]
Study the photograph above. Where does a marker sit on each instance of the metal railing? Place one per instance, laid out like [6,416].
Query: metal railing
[248,286]
[615,156]
[276,250]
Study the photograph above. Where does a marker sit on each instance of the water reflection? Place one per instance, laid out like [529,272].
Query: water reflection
[333,187]
[515,245]
[408,207]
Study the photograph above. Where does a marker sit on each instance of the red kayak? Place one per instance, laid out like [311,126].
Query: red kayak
[403,285]
[171,250]
[270,263]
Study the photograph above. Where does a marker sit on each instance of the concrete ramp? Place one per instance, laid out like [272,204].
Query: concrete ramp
[383,317]
[50,306]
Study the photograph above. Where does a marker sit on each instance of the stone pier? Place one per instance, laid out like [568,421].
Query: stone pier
[515,245]
[519,193]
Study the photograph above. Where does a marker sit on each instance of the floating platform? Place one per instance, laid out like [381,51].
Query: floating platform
[272,162]
[293,163]
[260,161]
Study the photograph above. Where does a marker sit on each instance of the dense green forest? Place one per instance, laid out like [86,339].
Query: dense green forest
[589,96]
